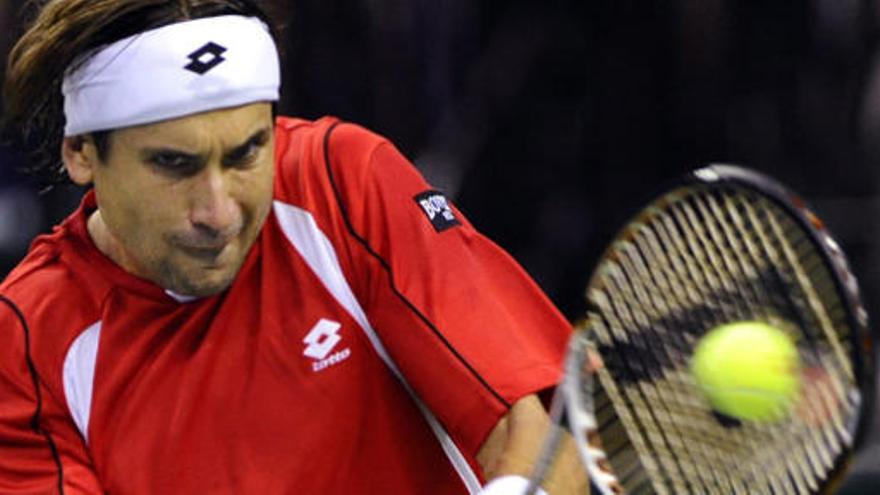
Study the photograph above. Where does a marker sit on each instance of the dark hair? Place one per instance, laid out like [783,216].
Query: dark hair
[61,32]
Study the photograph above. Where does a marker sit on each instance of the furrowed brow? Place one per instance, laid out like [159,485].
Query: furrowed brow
[148,153]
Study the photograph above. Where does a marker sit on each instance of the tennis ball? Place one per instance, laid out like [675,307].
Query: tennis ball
[748,370]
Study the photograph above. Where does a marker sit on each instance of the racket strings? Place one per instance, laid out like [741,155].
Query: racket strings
[713,453]
[648,373]
[811,454]
[823,349]
[705,269]
[815,349]
[696,261]
[724,247]
[691,456]
[802,463]
[667,450]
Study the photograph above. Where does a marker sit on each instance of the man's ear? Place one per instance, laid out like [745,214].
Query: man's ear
[80,159]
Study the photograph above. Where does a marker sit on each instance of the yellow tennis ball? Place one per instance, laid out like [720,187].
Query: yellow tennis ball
[748,370]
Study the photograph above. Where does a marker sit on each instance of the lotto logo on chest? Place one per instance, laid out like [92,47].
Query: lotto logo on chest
[323,345]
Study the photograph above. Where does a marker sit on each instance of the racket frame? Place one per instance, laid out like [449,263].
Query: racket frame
[578,411]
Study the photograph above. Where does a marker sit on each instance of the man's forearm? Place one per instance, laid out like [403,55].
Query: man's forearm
[515,443]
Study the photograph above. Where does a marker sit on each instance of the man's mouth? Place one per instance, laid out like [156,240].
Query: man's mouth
[204,252]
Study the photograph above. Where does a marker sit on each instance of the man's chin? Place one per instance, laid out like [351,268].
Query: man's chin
[202,284]
[201,290]
[196,276]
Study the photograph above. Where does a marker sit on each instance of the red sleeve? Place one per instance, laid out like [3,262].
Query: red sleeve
[470,331]
[31,458]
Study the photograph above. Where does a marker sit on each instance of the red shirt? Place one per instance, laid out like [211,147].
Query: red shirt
[369,344]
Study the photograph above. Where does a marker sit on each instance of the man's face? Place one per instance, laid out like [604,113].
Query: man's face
[183,200]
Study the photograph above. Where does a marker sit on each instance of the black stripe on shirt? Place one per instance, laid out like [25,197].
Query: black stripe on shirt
[35,377]
[387,267]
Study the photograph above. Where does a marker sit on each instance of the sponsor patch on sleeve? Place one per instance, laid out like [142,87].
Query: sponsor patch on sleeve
[437,209]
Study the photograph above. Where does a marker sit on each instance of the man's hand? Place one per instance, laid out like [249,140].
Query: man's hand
[515,443]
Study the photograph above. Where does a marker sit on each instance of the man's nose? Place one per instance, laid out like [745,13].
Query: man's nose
[214,207]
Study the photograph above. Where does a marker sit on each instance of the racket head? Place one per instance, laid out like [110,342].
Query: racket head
[751,250]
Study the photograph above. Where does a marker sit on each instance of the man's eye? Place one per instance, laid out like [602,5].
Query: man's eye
[250,152]
[245,155]
[168,160]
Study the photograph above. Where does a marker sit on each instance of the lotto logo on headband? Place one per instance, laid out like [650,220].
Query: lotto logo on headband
[205,58]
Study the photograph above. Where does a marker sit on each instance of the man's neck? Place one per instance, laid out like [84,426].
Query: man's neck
[107,243]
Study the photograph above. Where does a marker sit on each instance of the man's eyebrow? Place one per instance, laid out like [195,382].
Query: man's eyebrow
[150,152]
[257,137]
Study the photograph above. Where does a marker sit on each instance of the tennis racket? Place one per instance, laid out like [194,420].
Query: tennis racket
[726,244]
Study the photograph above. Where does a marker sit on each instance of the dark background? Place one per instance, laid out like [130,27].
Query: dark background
[549,122]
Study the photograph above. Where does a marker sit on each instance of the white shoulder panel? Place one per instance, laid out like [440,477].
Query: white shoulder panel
[302,231]
[79,376]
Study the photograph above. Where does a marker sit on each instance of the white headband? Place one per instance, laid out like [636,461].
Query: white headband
[173,71]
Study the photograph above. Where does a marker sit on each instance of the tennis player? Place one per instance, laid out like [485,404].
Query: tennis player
[246,303]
